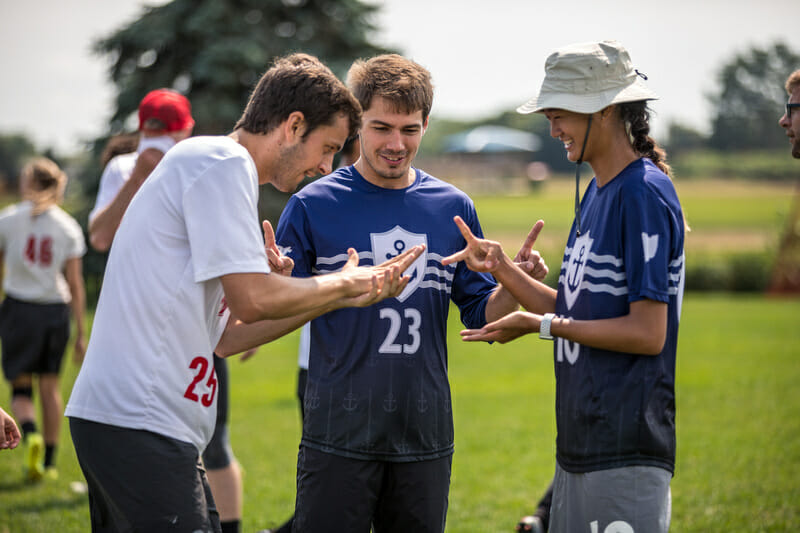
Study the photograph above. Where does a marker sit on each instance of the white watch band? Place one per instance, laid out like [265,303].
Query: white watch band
[544,327]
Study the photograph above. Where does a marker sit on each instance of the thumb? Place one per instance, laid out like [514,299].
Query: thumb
[352,258]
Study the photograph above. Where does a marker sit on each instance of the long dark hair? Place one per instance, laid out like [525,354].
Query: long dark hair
[636,117]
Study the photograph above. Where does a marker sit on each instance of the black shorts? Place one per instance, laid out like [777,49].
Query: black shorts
[34,337]
[219,454]
[142,481]
[337,493]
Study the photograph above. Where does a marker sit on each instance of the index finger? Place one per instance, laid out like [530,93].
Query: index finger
[533,235]
[404,260]
[269,234]
[465,231]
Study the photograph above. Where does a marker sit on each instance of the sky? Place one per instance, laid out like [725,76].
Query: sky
[485,56]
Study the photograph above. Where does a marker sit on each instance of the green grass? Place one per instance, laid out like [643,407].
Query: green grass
[738,429]
[738,396]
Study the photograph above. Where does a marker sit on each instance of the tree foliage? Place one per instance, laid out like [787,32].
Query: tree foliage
[15,150]
[751,97]
[214,51]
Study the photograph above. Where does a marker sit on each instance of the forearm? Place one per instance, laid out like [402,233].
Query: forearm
[531,294]
[642,331]
[501,302]
[239,336]
[78,295]
[103,226]
[258,297]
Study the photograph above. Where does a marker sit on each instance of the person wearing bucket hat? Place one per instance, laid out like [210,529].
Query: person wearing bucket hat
[614,317]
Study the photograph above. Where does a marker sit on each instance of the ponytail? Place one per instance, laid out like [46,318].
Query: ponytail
[636,117]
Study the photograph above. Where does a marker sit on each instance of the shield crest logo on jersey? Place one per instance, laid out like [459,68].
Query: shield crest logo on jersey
[576,264]
[396,241]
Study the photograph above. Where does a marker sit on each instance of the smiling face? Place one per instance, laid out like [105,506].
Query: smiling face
[311,155]
[389,142]
[569,128]
[792,124]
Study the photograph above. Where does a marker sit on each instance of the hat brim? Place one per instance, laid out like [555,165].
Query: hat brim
[587,103]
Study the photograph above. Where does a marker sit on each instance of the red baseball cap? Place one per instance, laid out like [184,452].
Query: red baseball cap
[168,106]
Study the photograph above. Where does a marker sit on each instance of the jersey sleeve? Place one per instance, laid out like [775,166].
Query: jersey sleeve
[77,242]
[648,236]
[293,237]
[222,221]
[471,290]
[111,181]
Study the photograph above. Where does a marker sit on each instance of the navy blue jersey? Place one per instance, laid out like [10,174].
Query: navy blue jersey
[616,409]
[377,378]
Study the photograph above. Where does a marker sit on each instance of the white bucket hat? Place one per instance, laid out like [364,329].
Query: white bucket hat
[587,77]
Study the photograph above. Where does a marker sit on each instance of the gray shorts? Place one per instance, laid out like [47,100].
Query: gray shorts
[632,499]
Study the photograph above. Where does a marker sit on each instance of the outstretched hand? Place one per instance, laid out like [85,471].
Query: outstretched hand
[506,329]
[387,278]
[480,255]
[278,263]
[528,259]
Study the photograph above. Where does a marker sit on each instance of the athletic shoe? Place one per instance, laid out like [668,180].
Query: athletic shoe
[34,457]
[530,524]
[51,473]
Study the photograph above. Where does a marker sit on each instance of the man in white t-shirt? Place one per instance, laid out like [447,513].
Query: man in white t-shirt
[189,272]
[165,118]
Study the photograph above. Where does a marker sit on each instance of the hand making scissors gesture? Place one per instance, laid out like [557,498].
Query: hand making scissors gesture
[484,255]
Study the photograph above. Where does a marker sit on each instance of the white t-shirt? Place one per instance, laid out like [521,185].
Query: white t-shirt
[120,168]
[35,250]
[161,310]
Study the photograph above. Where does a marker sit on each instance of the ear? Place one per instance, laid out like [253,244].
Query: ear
[294,126]
[425,125]
[607,111]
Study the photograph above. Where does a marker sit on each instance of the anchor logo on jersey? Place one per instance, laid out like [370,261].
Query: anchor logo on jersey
[394,242]
[350,402]
[575,267]
[389,403]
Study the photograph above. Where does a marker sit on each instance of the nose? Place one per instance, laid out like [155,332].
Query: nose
[555,131]
[326,165]
[394,142]
[784,121]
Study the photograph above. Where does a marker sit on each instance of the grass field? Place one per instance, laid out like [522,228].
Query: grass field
[738,465]
[738,430]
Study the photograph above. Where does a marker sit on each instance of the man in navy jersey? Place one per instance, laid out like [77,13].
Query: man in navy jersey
[378,428]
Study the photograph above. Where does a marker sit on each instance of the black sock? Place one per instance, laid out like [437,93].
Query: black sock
[231,526]
[28,428]
[49,455]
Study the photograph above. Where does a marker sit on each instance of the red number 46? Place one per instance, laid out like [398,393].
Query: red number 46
[201,365]
[42,254]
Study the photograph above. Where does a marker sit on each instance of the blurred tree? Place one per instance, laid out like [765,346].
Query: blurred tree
[681,137]
[214,51]
[751,97]
[15,149]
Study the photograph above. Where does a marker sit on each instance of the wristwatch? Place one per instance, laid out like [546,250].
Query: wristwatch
[544,327]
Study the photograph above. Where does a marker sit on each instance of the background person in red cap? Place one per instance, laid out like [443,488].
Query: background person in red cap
[614,318]
[165,118]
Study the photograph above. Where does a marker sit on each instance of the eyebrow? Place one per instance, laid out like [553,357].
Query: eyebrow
[376,122]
